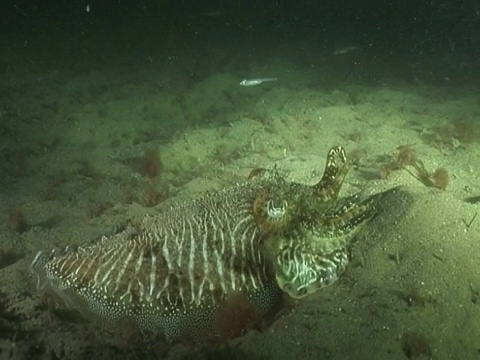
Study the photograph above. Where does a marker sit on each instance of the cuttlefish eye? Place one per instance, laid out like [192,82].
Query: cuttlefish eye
[271,213]
[276,210]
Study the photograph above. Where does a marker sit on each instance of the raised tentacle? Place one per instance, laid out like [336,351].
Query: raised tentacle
[336,169]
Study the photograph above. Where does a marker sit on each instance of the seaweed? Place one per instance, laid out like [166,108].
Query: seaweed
[16,220]
[153,196]
[415,345]
[236,316]
[408,160]
[152,164]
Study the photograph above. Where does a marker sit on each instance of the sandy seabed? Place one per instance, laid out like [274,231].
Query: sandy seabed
[72,162]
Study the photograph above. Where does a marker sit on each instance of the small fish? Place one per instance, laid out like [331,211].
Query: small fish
[254,82]
[345,50]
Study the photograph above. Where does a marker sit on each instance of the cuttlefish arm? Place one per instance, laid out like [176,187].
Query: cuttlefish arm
[336,169]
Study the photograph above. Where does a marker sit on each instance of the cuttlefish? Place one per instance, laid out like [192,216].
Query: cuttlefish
[262,238]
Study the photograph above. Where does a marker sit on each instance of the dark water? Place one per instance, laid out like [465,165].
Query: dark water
[433,41]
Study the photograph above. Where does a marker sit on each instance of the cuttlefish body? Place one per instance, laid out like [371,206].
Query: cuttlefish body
[173,272]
